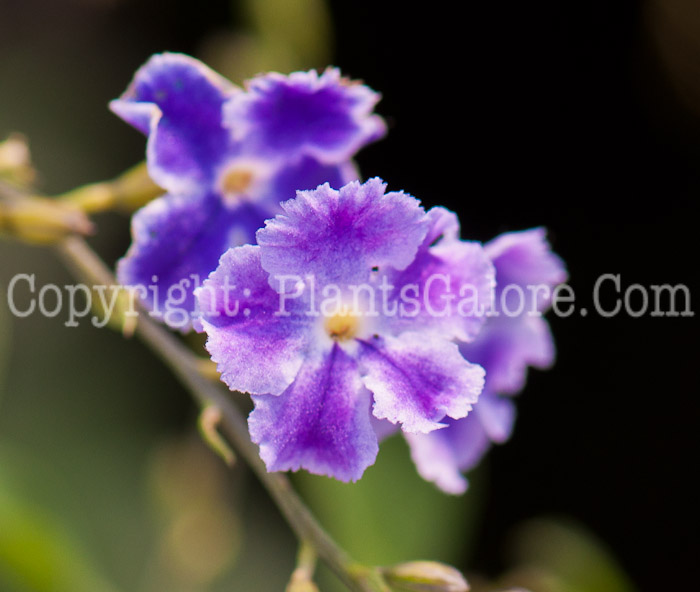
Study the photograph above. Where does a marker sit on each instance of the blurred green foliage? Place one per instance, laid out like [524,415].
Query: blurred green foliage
[296,34]
[555,555]
[38,553]
[5,338]
[392,515]
[275,35]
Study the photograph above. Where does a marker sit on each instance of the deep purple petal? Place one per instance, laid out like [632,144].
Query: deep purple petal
[506,347]
[256,351]
[308,174]
[418,379]
[453,281]
[178,102]
[339,236]
[321,423]
[177,241]
[524,260]
[305,114]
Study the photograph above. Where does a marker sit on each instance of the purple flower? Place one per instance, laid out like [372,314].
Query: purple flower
[227,157]
[515,338]
[324,324]
[326,117]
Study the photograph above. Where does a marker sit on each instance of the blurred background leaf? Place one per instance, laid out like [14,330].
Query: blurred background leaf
[5,340]
[38,553]
[105,433]
[557,555]
[274,35]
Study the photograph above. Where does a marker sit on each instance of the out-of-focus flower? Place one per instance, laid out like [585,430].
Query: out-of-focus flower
[227,157]
[338,316]
[514,337]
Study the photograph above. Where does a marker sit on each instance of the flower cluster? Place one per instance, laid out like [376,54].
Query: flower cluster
[227,156]
[319,381]
[357,313]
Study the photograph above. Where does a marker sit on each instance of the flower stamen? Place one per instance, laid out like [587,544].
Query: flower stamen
[342,326]
[236,181]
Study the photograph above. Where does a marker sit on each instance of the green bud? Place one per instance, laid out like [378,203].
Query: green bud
[425,576]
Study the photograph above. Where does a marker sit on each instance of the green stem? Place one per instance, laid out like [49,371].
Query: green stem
[85,263]
[128,192]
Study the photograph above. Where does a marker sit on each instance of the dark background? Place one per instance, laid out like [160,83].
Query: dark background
[561,114]
[579,116]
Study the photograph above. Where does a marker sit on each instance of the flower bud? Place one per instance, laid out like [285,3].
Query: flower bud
[15,161]
[425,576]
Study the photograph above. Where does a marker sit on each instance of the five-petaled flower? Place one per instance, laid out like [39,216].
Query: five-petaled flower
[226,157]
[321,376]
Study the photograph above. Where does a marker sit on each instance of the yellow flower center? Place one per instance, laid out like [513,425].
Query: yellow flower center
[236,181]
[342,326]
